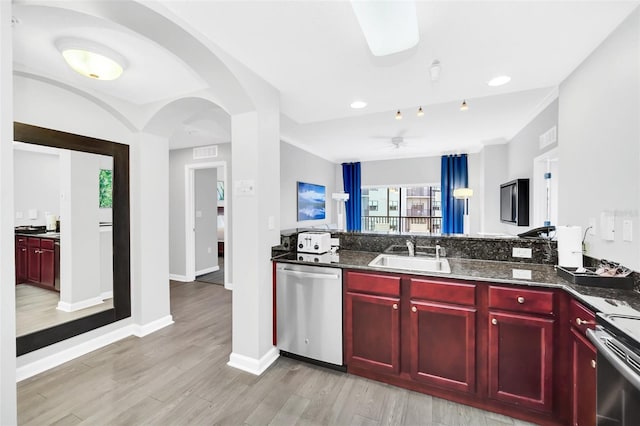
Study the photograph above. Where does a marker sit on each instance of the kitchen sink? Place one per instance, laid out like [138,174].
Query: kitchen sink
[411,263]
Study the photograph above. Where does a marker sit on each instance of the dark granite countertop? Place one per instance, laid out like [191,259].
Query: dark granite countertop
[50,235]
[489,271]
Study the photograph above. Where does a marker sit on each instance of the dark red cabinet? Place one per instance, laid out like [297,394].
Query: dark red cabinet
[33,259]
[443,345]
[583,361]
[521,359]
[21,259]
[372,332]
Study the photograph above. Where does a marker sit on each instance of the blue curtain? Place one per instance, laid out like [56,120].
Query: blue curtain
[454,175]
[351,180]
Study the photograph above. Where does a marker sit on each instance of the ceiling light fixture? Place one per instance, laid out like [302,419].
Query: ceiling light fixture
[420,112]
[389,27]
[398,115]
[434,70]
[499,81]
[91,59]
[464,106]
[358,104]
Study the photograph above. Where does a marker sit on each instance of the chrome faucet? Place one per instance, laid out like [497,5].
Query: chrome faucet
[411,246]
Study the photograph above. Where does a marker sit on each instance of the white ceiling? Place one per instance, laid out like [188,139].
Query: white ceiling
[314,53]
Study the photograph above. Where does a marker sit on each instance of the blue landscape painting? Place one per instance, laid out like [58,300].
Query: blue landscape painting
[311,201]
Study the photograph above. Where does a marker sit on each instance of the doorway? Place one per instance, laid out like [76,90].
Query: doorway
[546,175]
[201,242]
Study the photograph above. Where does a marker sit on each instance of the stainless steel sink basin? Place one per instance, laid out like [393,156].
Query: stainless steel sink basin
[411,263]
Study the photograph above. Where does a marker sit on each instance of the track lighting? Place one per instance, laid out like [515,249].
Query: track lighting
[398,115]
[464,106]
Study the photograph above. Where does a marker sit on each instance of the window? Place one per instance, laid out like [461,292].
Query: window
[403,209]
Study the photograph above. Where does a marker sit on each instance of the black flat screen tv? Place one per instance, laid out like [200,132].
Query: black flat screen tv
[514,202]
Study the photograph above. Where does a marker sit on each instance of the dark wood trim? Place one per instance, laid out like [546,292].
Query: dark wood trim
[121,233]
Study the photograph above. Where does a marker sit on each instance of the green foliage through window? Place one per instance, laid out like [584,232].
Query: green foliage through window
[106,189]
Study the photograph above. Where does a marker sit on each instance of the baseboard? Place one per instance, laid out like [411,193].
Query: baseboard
[228,286]
[143,330]
[252,365]
[181,278]
[72,307]
[208,270]
[54,360]
[106,295]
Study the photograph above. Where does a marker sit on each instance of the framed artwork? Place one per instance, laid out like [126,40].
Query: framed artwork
[311,201]
[106,189]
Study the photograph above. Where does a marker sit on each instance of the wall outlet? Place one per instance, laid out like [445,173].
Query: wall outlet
[521,274]
[627,230]
[198,213]
[271,222]
[521,252]
[209,250]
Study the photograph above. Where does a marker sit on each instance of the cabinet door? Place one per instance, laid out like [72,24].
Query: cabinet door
[584,380]
[443,345]
[521,359]
[21,264]
[372,332]
[33,264]
[47,268]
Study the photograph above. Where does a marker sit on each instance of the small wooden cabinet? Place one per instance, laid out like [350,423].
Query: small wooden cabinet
[372,322]
[583,360]
[35,261]
[443,335]
[521,328]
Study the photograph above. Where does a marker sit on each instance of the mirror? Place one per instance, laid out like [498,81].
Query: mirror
[84,303]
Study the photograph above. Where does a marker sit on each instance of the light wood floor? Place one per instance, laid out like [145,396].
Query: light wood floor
[179,376]
[36,309]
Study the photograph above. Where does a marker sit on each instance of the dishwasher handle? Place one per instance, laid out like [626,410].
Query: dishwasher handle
[309,274]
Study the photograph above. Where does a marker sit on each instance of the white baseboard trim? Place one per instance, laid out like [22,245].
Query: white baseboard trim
[208,270]
[181,278]
[252,365]
[106,295]
[228,286]
[143,330]
[54,360]
[72,307]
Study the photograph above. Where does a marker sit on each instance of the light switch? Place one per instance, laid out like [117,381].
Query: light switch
[245,187]
[607,226]
[627,230]
[33,213]
[271,222]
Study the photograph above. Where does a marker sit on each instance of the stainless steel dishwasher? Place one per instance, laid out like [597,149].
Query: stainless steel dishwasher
[309,312]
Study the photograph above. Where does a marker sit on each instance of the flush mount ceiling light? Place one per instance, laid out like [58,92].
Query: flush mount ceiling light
[420,112]
[388,26]
[398,115]
[464,106]
[358,104]
[91,59]
[499,81]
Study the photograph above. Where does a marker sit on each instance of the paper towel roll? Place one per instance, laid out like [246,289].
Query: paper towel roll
[569,246]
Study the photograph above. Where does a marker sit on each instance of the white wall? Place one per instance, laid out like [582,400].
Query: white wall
[599,142]
[406,171]
[37,185]
[206,218]
[178,159]
[299,165]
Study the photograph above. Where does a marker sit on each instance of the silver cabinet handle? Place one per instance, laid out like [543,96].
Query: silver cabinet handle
[494,321]
[395,306]
[414,309]
[593,363]
[520,299]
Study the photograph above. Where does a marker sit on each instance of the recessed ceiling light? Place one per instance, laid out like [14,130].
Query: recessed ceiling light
[420,112]
[91,59]
[499,81]
[398,115]
[464,106]
[358,104]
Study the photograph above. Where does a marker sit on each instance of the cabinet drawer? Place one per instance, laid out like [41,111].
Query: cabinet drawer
[21,241]
[46,244]
[521,300]
[373,283]
[443,291]
[33,242]
[580,317]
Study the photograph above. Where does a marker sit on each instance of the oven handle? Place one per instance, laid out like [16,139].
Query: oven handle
[616,362]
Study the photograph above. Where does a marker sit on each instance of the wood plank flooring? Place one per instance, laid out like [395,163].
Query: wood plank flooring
[179,376]
[36,309]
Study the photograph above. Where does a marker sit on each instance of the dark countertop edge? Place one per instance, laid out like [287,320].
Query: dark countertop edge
[43,235]
[562,285]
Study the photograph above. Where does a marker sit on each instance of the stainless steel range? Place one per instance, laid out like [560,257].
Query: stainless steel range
[617,339]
